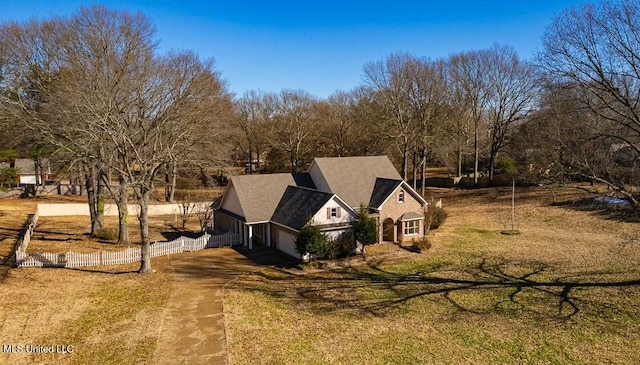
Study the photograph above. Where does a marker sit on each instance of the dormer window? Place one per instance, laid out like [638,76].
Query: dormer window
[401,196]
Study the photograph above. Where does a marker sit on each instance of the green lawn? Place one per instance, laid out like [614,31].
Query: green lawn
[565,291]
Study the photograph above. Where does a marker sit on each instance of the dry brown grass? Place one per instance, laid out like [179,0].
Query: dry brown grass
[13,217]
[110,315]
[565,291]
[63,234]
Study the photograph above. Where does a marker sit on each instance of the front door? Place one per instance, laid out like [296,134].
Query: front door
[388,230]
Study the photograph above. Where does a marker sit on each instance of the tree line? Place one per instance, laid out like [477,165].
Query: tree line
[93,91]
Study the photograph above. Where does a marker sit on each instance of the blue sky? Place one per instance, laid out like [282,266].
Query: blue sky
[321,46]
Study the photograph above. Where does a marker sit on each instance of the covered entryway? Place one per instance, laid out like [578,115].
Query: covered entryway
[388,230]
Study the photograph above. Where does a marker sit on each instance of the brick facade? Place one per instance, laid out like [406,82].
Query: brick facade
[393,209]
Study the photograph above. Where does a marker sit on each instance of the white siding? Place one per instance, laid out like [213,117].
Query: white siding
[286,242]
[27,179]
[321,216]
[332,235]
[318,178]
[231,202]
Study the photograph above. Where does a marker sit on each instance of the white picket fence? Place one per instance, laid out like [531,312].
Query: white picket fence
[131,254]
[26,239]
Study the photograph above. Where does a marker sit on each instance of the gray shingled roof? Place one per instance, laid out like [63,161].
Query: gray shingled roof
[260,194]
[27,166]
[409,216]
[216,203]
[353,178]
[381,190]
[304,179]
[298,205]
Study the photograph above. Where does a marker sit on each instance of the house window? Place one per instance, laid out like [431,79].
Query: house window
[333,212]
[411,228]
[401,196]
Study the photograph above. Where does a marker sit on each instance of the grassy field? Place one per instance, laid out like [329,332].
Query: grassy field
[564,291]
[110,315]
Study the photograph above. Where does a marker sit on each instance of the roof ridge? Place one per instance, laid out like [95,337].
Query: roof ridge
[310,189]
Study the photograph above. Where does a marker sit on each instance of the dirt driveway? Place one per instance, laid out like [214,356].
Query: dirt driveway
[193,328]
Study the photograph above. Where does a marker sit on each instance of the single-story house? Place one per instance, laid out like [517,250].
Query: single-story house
[27,170]
[271,209]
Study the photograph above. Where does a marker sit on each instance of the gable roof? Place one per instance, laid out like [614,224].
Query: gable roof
[353,178]
[27,166]
[298,205]
[381,190]
[259,195]
[406,187]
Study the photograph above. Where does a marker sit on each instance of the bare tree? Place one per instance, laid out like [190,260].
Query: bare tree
[391,81]
[113,102]
[456,126]
[339,123]
[511,94]
[254,113]
[426,99]
[595,49]
[204,215]
[294,126]
[351,124]
[470,85]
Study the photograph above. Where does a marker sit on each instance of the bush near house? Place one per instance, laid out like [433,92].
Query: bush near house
[364,227]
[421,244]
[342,246]
[311,240]
[434,217]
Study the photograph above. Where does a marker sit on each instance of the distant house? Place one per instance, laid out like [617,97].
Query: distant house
[271,209]
[27,170]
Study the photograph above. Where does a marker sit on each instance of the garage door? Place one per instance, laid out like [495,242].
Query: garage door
[287,243]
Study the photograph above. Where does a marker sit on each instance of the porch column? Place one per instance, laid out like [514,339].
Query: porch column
[250,236]
[245,236]
[268,234]
[396,227]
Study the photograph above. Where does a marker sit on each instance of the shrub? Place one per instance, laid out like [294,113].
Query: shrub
[107,234]
[421,244]
[342,246]
[506,165]
[434,217]
[364,227]
[9,176]
[311,240]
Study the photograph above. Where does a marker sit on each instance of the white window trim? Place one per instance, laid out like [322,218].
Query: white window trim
[405,227]
[401,196]
[333,212]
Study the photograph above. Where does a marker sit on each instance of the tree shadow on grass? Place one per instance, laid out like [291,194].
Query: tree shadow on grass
[486,288]
[102,271]
[602,210]
[177,233]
